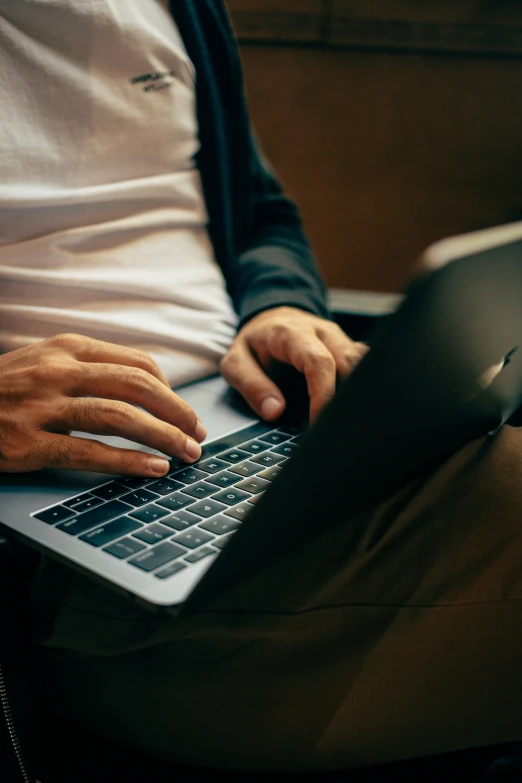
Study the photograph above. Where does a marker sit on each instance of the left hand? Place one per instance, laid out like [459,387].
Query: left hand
[316,347]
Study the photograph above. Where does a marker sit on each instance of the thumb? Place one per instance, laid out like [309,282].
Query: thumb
[242,371]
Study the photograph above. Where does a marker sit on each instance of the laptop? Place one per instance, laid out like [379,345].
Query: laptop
[445,368]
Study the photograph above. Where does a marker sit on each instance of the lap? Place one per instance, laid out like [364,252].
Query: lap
[393,635]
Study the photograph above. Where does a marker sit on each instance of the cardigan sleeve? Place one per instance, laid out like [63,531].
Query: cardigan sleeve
[276,266]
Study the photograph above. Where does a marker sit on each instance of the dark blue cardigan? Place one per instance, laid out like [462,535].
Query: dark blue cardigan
[254,227]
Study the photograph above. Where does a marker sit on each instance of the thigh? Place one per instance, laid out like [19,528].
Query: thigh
[395,634]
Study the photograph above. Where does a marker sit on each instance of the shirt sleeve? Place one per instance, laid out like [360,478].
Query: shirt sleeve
[276,267]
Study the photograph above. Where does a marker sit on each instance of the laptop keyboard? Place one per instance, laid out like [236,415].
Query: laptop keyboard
[163,526]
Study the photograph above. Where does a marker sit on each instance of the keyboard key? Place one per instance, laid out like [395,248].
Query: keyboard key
[270,474]
[286,449]
[139,497]
[51,516]
[207,508]
[175,465]
[181,521]
[165,486]
[268,459]
[110,491]
[149,513]
[124,548]
[234,455]
[94,517]
[291,429]
[159,555]
[253,485]
[221,543]
[246,468]
[133,482]
[220,525]
[73,502]
[255,446]
[153,534]
[213,465]
[231,442]
[240,511]
[193,538]
[175,502]
[199,555]
[190,475]
[274,438]
[253,499]
[230,496]
[87,504]
[224,479]
[101,536]
[170,570]
[201,490]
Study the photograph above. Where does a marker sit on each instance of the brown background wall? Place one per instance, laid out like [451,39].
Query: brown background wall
[392,122]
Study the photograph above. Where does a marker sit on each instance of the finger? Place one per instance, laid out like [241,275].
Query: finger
[109,417]
[320,372]
[136,386]
[88,349]
[241,370]
[347,353]
[308,354]
[72,453]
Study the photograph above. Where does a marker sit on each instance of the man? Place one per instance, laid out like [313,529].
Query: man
[140,229]
[105,235]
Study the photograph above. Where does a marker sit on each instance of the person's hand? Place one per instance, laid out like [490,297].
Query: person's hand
[71,382]
[316,347]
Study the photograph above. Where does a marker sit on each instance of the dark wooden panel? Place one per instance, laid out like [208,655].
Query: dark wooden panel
[478,26]
[387,152]
[275,20]
[483,26]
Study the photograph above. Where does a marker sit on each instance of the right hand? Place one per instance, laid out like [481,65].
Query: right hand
[70,382]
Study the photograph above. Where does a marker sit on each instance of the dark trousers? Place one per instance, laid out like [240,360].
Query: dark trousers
[396,634]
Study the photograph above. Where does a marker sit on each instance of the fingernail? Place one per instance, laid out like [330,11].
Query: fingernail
[271,408]
[192,449]
[157,466]
[200,432]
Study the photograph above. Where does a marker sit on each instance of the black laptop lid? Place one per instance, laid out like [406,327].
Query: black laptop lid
[444,369]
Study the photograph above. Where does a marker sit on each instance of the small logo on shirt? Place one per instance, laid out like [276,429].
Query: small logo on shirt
[152,82]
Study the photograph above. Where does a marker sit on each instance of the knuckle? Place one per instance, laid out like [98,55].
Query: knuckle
[118,413]
[138,377]
[183,415]
[15,446]
[322,361]
[47,371]
[68,341]
[81,416]
[56,369]
[59,455]
[126,462]
[330,329]
[190,418]
[350,360]
[77,417]
[176,439]
[146,360]
[85,451]
[230,363]
[282,331]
